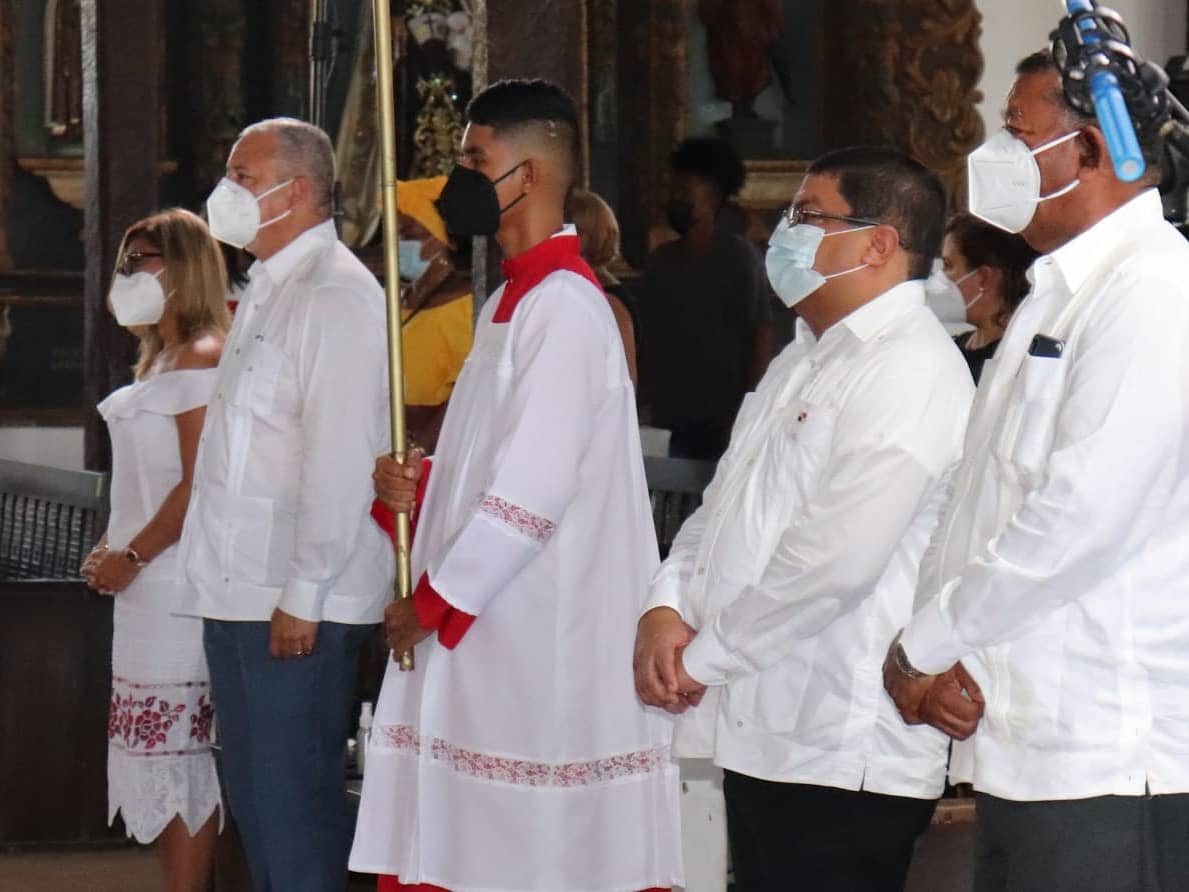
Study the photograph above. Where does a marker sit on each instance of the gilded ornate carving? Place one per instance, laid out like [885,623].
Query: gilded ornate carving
[438,131]
[907,75]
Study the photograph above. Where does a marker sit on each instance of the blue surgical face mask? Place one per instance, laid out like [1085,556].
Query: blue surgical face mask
[412,265]
[792,251]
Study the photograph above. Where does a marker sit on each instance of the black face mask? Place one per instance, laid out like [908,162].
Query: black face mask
[679,212]
[469,205]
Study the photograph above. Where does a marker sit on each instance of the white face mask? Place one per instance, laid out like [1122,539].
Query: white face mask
[1004,180]
[945,299]
[137,299]
[792,251]
[233,212]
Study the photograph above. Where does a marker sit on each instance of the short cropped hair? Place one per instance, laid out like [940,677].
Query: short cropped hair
[885,185]
[303,150]
[710,159]
[515,106]
[1151,144]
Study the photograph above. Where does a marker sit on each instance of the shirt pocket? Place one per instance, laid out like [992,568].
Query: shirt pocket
[798,450]
[258,386]
[1025,439]
[261,540]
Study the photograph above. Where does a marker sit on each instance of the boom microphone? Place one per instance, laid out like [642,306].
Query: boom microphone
[1103,76]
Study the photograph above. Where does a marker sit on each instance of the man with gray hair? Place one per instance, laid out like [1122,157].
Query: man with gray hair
[281,558]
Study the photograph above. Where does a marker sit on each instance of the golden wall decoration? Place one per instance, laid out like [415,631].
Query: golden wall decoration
[905,73]
[438,132]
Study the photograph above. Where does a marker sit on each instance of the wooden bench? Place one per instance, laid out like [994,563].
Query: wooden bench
[55,659]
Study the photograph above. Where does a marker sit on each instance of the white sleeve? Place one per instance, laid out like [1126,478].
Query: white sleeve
[893,441]
[1119,441]
[560,381]
[342,366]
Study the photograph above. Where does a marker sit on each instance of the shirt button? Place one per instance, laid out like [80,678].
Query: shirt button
[701,571]
[738,724]
[227,579]
[237,351]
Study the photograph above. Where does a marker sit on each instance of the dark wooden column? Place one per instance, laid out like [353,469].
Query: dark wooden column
[540,38]
[122,40]
[7,18]
[653,100]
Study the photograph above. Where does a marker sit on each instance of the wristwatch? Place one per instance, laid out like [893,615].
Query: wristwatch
[133,557]
[903,666]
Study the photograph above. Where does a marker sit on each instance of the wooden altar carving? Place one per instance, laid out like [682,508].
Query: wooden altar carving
[905,73]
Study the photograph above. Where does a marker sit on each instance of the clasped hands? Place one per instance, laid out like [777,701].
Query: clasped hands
[108,572]
[951,702]
[661,680]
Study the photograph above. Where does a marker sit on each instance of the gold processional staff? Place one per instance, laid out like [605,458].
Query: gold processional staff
[381,17]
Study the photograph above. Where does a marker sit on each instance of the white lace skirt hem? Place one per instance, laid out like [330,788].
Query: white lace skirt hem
[150,791]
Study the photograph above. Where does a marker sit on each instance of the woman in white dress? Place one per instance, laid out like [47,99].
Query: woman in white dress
[170,289]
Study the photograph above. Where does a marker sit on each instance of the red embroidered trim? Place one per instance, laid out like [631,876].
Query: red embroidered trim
[533,526]
[525,773]
[143,725]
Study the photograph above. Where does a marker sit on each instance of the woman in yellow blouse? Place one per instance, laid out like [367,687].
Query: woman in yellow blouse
[437,308]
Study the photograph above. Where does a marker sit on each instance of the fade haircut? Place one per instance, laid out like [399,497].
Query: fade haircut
[887,186]
[538,109]
[302,150]
[1151,144]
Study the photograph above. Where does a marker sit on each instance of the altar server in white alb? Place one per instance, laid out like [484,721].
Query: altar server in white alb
[517,755]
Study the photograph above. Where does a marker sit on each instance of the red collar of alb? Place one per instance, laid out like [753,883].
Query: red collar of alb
[526,271]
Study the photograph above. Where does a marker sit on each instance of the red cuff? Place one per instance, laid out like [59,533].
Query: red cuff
[386,517]
[434,612]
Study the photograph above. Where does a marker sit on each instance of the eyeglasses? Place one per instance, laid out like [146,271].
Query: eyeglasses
[133,259]
[798,215]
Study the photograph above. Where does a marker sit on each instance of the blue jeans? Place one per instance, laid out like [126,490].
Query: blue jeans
[283,726]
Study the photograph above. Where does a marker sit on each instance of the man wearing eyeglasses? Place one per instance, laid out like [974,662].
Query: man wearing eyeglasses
[767,624]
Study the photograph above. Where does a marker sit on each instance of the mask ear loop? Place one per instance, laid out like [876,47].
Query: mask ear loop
[519,198]
[853,269]
[268,192]
[1052,143]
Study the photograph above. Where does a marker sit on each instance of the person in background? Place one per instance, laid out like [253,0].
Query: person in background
[437,312]
[598,230]
[170,289]
[703,306]
[988,268]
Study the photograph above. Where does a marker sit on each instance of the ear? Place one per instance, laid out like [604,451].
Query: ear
[301,189]
[990,279]
[530,174]
[1091,146]
[883,247]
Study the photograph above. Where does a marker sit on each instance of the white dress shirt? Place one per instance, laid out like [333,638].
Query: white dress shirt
[279,516]
[1060,574]
[802,561]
